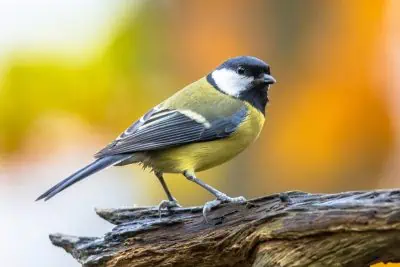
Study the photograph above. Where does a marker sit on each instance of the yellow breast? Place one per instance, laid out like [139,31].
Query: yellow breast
[205,155]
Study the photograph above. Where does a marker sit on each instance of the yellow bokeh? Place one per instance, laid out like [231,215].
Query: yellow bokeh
[385,264]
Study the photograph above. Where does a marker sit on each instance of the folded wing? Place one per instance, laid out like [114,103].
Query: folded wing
[164,128]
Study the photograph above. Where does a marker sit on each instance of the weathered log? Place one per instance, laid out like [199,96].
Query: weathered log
[288,229]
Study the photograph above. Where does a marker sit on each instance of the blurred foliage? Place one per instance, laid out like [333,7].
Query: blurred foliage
[328,125]
[386,265]
[103,91]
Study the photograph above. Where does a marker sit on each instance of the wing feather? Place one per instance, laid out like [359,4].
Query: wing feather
[164,128]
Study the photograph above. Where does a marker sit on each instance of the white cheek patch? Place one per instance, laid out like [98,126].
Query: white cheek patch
[230,82]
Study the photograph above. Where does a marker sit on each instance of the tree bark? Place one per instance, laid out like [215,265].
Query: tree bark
[287,229]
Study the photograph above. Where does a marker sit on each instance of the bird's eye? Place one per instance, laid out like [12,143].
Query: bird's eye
[240,70]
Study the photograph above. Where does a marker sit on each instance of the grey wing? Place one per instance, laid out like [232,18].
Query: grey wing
[160,129]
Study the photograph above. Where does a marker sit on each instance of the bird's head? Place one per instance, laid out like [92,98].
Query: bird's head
[247,78]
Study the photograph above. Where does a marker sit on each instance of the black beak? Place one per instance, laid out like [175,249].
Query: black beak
[268,79]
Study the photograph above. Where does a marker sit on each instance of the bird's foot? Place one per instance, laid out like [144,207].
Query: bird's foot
[221,198]
[168,204]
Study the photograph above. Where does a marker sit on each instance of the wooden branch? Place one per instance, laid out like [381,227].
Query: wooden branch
[288,229]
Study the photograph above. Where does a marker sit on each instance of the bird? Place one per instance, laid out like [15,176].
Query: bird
[199,127]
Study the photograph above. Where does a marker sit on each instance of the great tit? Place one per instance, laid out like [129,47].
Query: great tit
[201,126]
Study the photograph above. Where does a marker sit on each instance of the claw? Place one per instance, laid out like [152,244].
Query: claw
[221,198]
[209,206]
[167,204]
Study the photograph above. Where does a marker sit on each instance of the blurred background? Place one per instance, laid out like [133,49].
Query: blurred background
[74,74]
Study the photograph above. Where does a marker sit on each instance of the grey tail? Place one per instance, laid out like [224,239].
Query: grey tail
[90,169]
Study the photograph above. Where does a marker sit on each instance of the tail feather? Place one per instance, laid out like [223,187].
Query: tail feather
[90,169]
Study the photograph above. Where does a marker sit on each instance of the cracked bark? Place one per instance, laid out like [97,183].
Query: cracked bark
[288,229]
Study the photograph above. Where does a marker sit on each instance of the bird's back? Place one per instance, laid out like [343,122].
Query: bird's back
[192,97]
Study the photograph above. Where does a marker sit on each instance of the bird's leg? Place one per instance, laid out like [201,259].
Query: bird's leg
[164,185]
[171,202]
[218,194]
[221,197]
